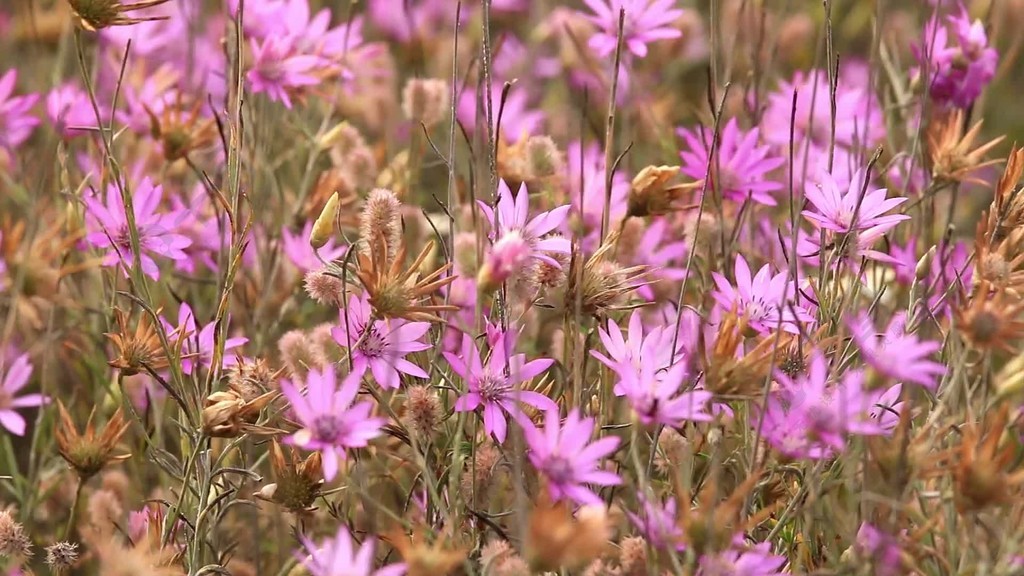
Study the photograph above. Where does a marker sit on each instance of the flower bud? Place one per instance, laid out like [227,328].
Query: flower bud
[323,228]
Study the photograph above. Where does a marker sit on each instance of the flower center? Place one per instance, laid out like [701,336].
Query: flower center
[373,342]
[327,428]
[493,387]
[559,469]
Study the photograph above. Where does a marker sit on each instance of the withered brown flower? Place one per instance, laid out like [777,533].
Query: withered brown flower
[651,194]
[397,293]
[597,284]
[951,152]
[297,483]
[88,453]
[138,350]
[94,15]
[181,131]
[423,558]
[556,539]
[991,320]
[228,415]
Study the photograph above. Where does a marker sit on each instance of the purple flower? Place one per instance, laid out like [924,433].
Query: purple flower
[904,261]
[405,20]
[337,557]
[657,523]
[882,549]
[656,398]
[767,301]
[859,119]
[279,69]
[627,356]
[961,70]
[495,385]
[742,560]
[16,122]
[646,21]
[107,224]
[69,110]
[809,418]
[741,166]
[380,345]
[847,211]
[949,277]
[517,118]
[587,167]
[659,256]
[299,252]
[330,422]
[15,376]
[897,354]
[514,215]
[564,455]
[197,348]
[506,258]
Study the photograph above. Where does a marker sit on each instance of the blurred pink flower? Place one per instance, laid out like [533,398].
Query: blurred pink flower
[198,346]
[15,376]
[646,21]
[337,556]
[658,398]
[513,214]
[958,71]
[16,120]
[278,69]
[896,354]
[69,111]
[299,252]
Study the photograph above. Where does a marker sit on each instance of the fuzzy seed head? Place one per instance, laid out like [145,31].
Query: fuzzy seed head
[299,353]
[423,413]
[381,220]
[426,100]
[14,543]
[543,159]
[325,288]
[60,557]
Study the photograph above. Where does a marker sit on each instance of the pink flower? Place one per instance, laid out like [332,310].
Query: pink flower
[897,354]
[564,455]
[657,398]
[299,252]
[657,522]
[881,549]
[506,258]
[662,258]
[337,557]
[514,215]
[809,418]
[330,422]
[587,167]
[517,118]
[380,345]
[646,21]
[107,226]
[197,348]
[768,301]
[742,560]
[741,166]
[405,20]
[627,356]
[958,71]
[16,121]
[496,385]
[278,69]
[15,376]
[848,211]
[69,110]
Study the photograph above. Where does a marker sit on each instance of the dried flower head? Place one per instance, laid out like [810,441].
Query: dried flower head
[426,100]
[228,415]
[180,131]
[423,558]
[990,321]
[250,378]
[476,481]
[297,483]
[14,542]
[1007,211]
[951,152]
[397,293]
[597,284]
[651,194]
[61,556]
[543,158]
[556,539]
[138,350]
[88,453]
[727,371]
[395,176]
[95,15]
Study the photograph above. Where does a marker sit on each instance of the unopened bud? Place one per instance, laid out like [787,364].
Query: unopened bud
[507,257]
[924,265]
[323,228]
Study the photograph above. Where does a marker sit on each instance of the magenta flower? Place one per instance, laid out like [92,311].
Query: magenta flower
[496,385]
[506,259]
[297,249]
[769,302]
[846,211]
[742,560]
[564,455]
[859,118]
[517,118]
[16,121]
[661,257]
[949,278]
[405,20]
[514,215]
[657,397]
[107,226]
[380,345]
[657,523]
[337,557]
[69,110]
[330,422]
[809,418]
[741,166]
[881,549]
[279,70]
[897,354]
[197,348]
[646,21]
[627,356]
[587,166]
[15,377]
[959,71]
